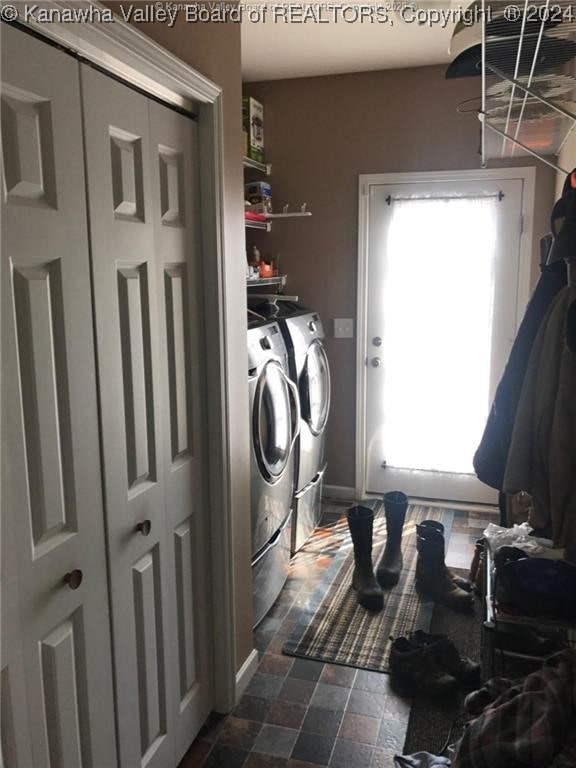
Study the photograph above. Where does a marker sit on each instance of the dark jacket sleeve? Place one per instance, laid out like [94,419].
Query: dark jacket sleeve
[492,453]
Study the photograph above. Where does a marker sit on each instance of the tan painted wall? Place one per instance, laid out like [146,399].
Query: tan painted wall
[214,50]
[320,133]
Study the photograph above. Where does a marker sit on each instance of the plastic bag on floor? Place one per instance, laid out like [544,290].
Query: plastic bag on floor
[517,536]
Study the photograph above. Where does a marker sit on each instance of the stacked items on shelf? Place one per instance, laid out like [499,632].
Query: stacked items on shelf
[257,201]
[253,130]
[258,195]
[253,126]
[259,268]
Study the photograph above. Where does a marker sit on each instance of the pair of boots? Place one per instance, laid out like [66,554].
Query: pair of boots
[360,522]
[433,578]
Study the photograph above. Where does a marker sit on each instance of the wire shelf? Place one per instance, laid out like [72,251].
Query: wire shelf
[528,78]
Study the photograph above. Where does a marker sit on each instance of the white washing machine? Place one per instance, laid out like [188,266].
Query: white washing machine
[274,429]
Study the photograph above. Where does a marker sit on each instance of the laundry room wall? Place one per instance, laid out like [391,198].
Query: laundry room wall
[320,133]
[213,49]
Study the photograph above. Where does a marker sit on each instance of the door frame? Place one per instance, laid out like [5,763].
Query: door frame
[120,49]
[366,180]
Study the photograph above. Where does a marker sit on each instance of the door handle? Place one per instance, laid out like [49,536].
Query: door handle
[74,578]
[144,527]
[293,389]
[376,362]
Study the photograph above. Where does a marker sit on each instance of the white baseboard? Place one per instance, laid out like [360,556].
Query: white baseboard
[460,505]
[343,493]
[245,673]
[339,492]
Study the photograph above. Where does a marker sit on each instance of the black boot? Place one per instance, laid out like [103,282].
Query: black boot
[390,565]
[432,576]
[460,581]
[360,521]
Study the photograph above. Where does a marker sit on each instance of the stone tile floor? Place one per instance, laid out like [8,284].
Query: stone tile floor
[298,713]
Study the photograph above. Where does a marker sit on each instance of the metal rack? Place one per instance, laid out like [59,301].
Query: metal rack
[528,71]
[497,622]
[259,282]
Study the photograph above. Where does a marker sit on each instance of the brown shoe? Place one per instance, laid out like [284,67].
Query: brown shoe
[417,666]
[448,658]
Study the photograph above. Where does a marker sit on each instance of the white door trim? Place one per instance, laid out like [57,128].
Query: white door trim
[365,181]
[122,50]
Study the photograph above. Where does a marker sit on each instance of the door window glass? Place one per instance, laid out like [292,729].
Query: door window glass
[437,298]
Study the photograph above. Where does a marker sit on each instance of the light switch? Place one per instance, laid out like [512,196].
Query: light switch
[343,328]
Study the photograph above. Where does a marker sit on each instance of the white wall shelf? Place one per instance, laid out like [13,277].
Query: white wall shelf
[263,225]
[265,168]
[255,282]
[295,215]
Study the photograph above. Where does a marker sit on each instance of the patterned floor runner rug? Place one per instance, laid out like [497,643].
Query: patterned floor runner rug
[334,628]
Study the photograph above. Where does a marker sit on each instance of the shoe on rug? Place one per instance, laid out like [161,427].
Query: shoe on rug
[416,665]
[448,657]
[433,578]
[360,523]
[433,525]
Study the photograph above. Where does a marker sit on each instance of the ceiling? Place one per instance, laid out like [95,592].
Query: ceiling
[288,39]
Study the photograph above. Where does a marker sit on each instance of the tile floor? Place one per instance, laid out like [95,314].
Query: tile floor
[298,713]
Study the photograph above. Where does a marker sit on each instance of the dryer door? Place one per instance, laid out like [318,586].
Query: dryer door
[315,388]
[275,421]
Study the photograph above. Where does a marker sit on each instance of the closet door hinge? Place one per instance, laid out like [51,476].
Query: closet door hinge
[521,223]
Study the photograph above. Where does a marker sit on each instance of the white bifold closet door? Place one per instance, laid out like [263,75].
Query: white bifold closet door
[56,694]
[143,210]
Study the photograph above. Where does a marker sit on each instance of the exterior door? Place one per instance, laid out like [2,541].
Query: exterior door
[442,281]
[57,695]
[142,190]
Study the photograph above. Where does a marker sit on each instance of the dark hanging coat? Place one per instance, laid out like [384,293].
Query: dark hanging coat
[492,454]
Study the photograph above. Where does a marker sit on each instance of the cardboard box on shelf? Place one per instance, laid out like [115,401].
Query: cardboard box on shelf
[257,189]
[259,194]
[253,123]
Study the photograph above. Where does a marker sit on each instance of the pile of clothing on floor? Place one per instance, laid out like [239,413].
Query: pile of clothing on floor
[529,723]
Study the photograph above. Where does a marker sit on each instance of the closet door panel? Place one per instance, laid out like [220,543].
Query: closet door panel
[127,322]
[175,178]
[52,504]
[14,725]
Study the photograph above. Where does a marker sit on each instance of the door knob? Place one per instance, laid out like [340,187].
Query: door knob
[376,362]
[377,341]
[144,527]
[74,578]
